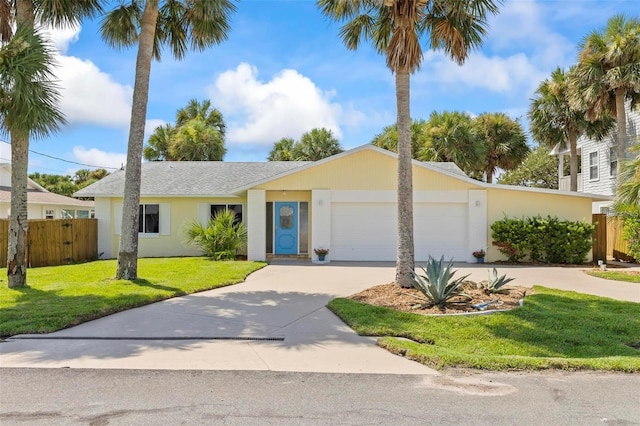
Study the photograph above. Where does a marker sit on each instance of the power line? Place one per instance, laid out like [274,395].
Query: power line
[66,161]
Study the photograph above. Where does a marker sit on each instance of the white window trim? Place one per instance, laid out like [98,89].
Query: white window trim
[596,165]
[612,152]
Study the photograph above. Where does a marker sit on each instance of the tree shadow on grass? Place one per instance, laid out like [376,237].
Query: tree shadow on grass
[552,325]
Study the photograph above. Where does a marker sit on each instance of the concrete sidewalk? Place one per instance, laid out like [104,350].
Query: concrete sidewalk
[276,320]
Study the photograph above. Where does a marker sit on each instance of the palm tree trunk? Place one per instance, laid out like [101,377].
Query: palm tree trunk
[490,175]
[16,259]
[573,160]
[128,251]
[406,264]
[18,225]
[621,131]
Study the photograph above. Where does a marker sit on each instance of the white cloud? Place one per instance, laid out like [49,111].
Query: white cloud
[99,158]
[151,125]
[525,25]
[523,48]
[62,37]
[514,73]
[259,112]
[90,95]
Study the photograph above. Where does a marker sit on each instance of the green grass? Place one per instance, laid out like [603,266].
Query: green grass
[554,329]
[61,296]
[616,276]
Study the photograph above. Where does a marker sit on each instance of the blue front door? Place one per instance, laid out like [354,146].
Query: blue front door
[286,218]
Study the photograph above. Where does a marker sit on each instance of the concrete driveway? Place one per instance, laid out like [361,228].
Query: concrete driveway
[276,320]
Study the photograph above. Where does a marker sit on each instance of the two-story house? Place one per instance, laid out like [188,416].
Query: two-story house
[41,204]
[597,162]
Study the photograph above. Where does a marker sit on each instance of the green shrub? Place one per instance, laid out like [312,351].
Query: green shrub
[511,238]
[436,284]
[221,239]
[543,239]
[631,233]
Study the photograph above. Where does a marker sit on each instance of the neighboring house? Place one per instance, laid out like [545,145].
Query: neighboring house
[598,162]
[346,203]
[41,204]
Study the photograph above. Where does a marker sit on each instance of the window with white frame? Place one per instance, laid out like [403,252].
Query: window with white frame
[149,219]
[68,214]
[49,214]
[613,161]
[593,165]
[236,208]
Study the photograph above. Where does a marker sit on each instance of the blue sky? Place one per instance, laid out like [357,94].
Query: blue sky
[284,71]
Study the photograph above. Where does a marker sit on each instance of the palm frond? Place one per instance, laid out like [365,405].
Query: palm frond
[29,95]
[120,27]
[64,13]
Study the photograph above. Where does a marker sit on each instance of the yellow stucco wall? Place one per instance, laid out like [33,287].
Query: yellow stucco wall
[362,170]
[183,211]
[514,203]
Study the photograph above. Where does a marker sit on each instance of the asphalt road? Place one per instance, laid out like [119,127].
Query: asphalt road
[165,397]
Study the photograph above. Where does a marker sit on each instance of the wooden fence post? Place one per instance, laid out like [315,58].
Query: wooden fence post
[599,237]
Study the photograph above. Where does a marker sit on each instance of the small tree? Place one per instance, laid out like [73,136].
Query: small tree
[538,170]
[222,238]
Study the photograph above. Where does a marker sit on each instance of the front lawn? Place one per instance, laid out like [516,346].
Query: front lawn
[631,277]
[61,296]
[554,329]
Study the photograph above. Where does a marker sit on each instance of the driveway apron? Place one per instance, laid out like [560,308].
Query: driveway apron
[276,320]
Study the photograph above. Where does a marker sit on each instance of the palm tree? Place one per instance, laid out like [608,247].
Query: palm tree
[388,138]
[35,99]
[554,120]
[150,25]
[282,150]
[608,75]
[504,142]
[449,138]
[197,141]
[28,107]
[194,109]
[157,148]
[316,145]
[395,28]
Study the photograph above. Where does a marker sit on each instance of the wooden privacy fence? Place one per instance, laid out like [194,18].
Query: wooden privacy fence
[52,242]
[617,247]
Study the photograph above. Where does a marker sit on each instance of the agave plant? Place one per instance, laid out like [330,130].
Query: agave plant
[495,283]
[437,285]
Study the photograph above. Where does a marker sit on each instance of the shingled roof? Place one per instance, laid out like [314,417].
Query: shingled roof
[44,197]
[191,178]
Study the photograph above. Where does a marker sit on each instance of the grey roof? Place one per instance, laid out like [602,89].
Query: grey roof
[191,178]
[448,166]
[35,196]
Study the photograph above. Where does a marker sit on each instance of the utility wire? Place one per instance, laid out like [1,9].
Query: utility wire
[66,161]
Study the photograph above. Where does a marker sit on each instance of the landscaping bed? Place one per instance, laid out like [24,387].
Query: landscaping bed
[411,300]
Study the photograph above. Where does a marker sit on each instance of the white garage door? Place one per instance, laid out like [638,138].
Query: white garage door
[368,231]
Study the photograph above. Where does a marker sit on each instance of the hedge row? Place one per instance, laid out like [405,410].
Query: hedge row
[541,239]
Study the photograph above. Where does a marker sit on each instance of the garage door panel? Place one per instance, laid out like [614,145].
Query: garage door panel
[440,229]
[368,231]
